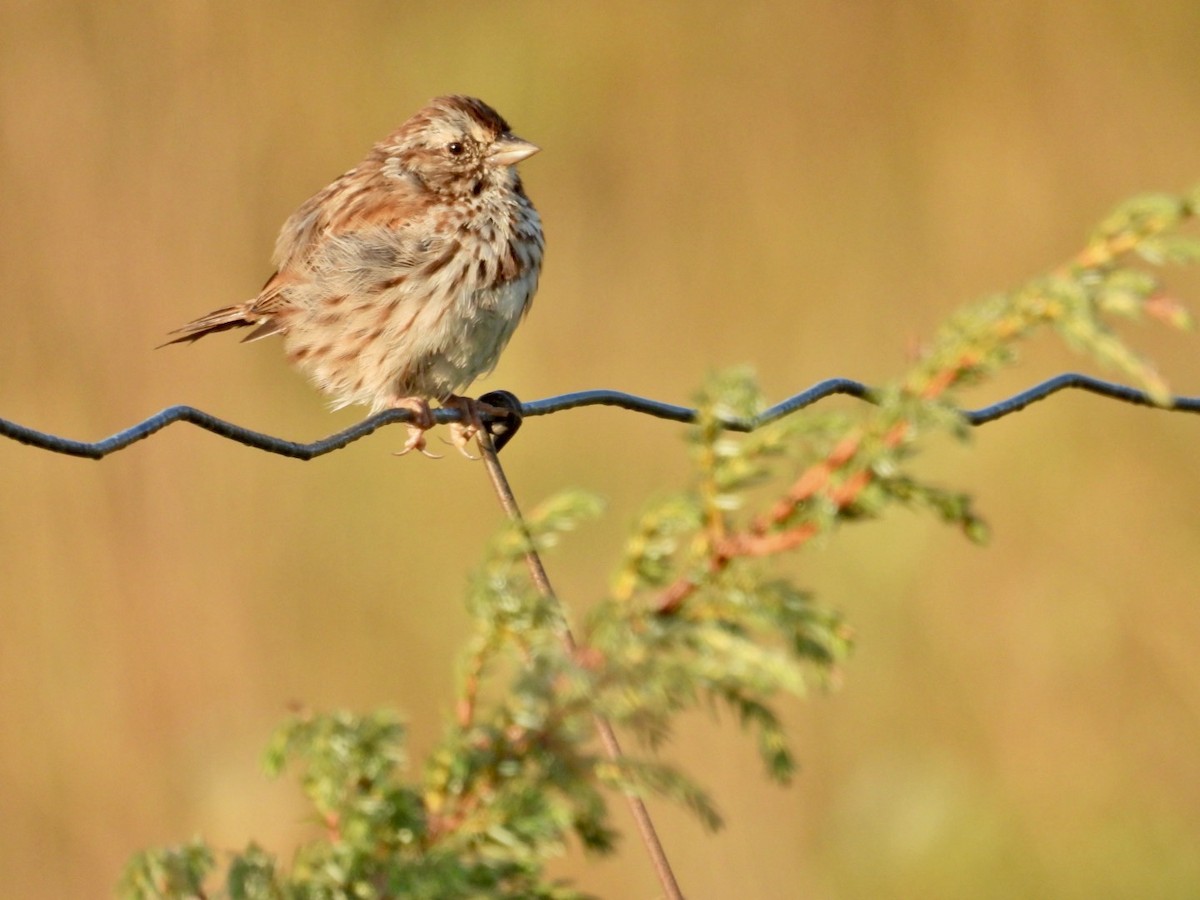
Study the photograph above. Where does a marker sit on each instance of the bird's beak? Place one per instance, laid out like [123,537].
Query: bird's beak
[510,150]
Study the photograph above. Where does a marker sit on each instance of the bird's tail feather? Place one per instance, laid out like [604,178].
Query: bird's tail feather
[219,320]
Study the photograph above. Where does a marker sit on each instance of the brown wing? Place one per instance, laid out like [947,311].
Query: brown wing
[352,235]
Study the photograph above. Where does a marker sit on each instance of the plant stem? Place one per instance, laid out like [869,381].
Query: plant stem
[608,738]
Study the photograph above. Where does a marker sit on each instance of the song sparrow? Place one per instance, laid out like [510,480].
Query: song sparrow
[402,281]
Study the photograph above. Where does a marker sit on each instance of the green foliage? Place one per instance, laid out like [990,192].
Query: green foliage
[174,872]
[699,615]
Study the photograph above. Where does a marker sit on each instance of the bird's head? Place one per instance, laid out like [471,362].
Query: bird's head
[457,146]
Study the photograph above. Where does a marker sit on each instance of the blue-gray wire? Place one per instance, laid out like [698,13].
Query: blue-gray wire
[631,402]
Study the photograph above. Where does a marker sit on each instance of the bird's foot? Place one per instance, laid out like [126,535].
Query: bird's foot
[471,423]
[420,422]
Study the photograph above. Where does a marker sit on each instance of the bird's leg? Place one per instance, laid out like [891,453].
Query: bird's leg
[471,423]
[421,421]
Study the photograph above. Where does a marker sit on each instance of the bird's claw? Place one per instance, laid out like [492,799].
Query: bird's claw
[462,432]
[469,425]
[461,436]
[420,421]
[416,441]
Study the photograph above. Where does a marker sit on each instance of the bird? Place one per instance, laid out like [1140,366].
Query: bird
[401,282]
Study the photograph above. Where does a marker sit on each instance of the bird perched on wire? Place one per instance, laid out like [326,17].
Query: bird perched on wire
[402,281]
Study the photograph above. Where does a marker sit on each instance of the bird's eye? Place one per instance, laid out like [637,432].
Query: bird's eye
[454,148]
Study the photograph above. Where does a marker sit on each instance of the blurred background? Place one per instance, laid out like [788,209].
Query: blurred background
[807,187]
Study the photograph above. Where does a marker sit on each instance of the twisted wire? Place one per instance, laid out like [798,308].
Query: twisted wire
[552,405]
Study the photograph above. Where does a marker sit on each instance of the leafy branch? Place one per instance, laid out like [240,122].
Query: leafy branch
[698,615]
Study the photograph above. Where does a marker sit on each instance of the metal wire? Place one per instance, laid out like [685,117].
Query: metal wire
[550,405]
